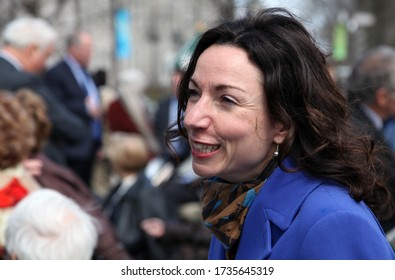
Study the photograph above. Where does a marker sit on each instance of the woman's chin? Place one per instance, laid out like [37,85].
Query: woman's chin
[203,171]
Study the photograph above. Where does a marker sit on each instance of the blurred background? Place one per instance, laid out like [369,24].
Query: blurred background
[147,34]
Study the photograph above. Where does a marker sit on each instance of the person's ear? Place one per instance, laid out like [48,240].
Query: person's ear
[280,133]
[31,49]
[381,97]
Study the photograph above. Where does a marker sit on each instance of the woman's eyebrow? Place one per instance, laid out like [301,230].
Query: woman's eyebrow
[193,82]
[218,87]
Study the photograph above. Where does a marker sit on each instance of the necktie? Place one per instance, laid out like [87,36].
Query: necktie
[92,93]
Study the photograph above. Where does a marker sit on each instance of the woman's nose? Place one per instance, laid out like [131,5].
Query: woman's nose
[197,115]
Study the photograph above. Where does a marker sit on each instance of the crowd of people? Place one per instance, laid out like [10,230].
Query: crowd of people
[255,153]
[56,127]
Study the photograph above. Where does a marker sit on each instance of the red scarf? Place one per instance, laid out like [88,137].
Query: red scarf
[12,193]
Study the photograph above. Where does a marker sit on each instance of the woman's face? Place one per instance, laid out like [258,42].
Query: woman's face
[227,118]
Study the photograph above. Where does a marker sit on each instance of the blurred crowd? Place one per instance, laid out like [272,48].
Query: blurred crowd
[63,125]
[85,170]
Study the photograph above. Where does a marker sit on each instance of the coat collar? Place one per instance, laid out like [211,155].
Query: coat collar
[277,203]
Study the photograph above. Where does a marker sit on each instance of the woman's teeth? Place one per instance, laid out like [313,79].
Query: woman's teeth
[202,148]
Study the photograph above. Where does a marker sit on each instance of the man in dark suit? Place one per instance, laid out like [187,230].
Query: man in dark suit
[76,89]
[371,93]
[27,43]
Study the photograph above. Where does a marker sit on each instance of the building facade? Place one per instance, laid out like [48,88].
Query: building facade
[155,32]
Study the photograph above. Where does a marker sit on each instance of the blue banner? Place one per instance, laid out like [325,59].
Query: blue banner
[123,40]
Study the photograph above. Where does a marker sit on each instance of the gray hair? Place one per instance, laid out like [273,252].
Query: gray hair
[47,225]
[29,30]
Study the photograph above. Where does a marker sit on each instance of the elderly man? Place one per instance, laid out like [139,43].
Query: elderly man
[27,44]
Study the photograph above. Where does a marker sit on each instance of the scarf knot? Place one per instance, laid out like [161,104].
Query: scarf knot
[225,206]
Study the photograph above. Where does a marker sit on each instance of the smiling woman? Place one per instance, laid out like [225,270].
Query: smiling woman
[270,131]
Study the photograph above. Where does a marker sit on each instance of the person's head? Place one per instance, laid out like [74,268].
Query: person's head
[127,153]
[36,108]
[79,46]
[372,81]
[47,225]
[254,84]
[16,137]
[31,41]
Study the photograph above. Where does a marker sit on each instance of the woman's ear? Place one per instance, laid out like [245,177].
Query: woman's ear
[280,133]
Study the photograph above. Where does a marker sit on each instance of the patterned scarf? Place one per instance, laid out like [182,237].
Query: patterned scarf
[225,206]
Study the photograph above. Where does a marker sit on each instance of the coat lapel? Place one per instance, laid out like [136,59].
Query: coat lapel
[255,241]
[277,203]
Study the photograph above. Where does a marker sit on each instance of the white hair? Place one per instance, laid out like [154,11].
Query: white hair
[46,225]
[24,31]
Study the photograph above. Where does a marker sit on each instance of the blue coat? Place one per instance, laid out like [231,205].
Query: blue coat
[298,216]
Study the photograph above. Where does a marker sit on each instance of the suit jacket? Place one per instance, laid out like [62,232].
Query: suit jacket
[389,132]
[68,90]
[366,126]
[298,216]
[61,79]
[66,127]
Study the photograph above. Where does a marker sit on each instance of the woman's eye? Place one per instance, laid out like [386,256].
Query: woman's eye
[228,100]
[192,93]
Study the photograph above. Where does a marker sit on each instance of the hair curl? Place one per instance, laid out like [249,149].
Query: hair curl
[37,110]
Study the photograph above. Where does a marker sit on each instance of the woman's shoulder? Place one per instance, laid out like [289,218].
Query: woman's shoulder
[333,223]
[331,198]
[299,196]
[330,224]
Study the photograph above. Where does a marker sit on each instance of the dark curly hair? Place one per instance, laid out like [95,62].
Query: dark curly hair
[301,95]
